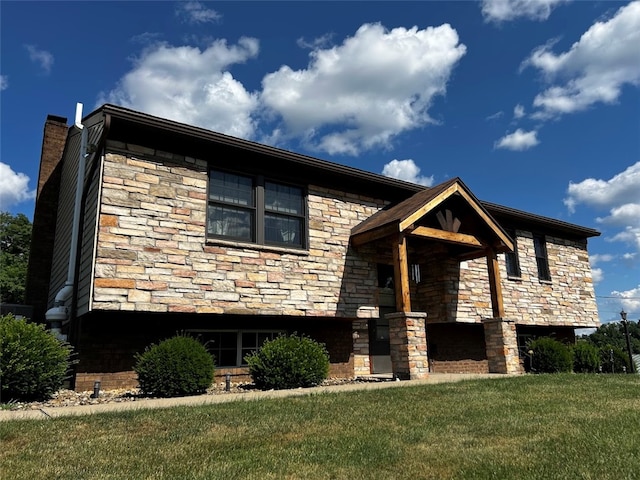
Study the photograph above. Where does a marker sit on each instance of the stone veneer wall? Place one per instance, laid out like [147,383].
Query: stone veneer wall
[153,255]
[568,299]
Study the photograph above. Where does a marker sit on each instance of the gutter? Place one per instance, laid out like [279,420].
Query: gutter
[59,315]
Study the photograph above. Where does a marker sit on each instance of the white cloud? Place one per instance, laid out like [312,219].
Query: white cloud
[495,116]
[190,85]
[14,187]
[375,85]
[4,82]
[596,258]
[518,112]
[196,12]
[597,275]
[620,195]
[406,170]
[621,189]
[594,69]
[319,42]
[630,299]
[43,58]
[505,10]
[518,140]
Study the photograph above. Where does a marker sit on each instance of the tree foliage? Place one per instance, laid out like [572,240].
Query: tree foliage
[612,335]
[15,241]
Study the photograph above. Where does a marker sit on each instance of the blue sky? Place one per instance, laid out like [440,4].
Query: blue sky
[534,104]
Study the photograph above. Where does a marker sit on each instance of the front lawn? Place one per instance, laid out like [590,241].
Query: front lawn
[530,427]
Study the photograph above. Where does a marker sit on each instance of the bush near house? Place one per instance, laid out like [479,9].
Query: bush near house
[288,362]
[177,366]
[33,362]
[586,357]
[550,356]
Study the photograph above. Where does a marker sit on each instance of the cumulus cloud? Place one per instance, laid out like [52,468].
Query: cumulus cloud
[196,12]
[14,187]
[630,299]
[518,140]
[506,10]
[620,195]
[375,85]
[191,85]
[406,170]
[4,82]
[41,57]
[597,275]
[595,68]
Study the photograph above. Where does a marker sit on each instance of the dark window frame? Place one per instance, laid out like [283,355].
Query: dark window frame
[512,260]
[237,346]
[259,212]
[542,257]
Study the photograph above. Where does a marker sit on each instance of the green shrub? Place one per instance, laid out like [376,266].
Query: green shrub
[33,362]
[550,356]
[177,366]
[620,359]
[288,362]
[586,357]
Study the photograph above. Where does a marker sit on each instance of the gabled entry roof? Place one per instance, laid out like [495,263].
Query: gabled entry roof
[411,217]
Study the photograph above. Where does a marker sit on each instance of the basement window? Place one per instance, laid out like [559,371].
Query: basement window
[229,347]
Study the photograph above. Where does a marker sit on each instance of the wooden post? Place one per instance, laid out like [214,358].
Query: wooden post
[495,286]
[401,270]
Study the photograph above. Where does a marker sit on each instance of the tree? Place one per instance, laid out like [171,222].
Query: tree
[15,241]
[612,335]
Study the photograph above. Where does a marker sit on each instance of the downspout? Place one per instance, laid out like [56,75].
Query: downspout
[59,314]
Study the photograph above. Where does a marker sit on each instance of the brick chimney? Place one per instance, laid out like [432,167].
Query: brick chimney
[45,215]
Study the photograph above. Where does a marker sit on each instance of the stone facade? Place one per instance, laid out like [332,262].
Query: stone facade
[408,338]
[455,291]
[153,254]
[502,346]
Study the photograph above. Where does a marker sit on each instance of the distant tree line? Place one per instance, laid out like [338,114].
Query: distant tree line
[611,335]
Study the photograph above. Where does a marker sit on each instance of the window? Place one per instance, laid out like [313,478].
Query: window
[252,209]
[511,259]
[230,347]
[542,261]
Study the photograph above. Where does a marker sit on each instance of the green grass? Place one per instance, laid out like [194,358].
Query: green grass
[529,427]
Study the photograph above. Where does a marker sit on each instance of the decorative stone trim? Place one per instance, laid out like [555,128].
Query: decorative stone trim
[502,345]
[408,338]
[360,335]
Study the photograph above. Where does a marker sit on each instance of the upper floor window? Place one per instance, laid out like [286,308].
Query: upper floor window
[542,260]
[511,259]
[253,209]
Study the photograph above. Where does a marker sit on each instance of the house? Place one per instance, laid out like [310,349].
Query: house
[145,227]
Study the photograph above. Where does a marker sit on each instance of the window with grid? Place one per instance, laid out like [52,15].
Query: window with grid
[511,258]
[542,260]
[256,210]
[230,347]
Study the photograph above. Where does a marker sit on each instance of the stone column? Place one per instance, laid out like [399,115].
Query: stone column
[502,345]
[408,338]
[360,334]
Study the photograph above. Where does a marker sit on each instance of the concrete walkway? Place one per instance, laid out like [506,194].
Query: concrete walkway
[143,404]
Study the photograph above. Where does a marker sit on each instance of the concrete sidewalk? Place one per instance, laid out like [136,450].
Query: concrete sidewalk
[143,404]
